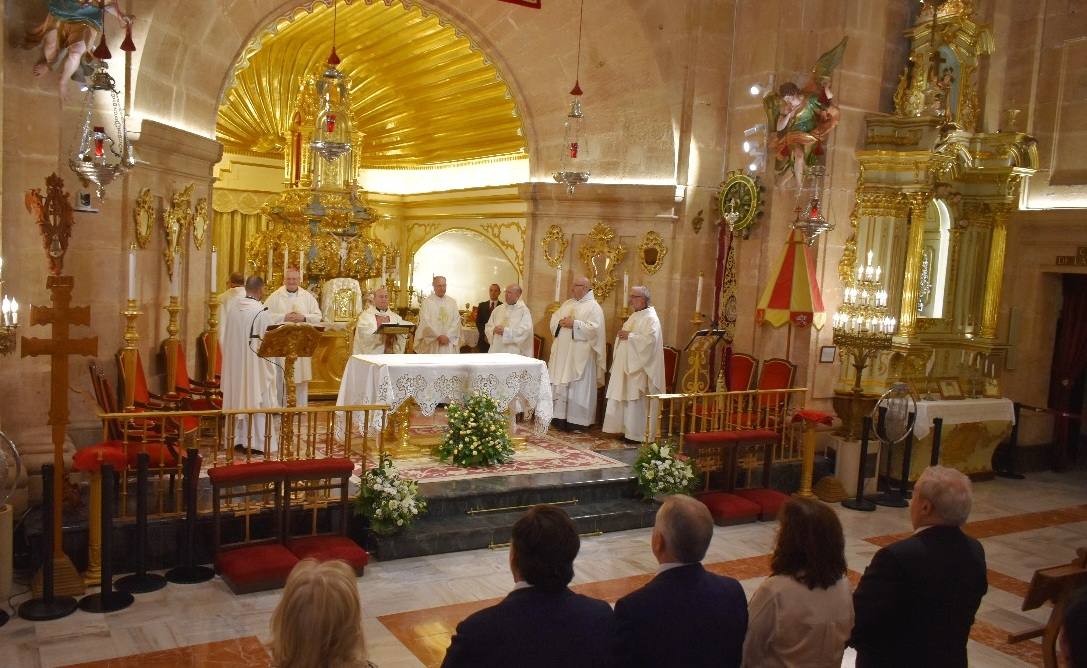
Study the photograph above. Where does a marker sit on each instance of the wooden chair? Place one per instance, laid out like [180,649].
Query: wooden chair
[671,369]
[194,395]
[537,346]
[204,362]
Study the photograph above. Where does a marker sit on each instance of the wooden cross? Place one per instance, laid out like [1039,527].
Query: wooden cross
[61,315]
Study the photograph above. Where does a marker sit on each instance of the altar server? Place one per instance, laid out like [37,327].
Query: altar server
[235,290]
[293,299]
[367,339]
[439,322]
[509,328]
[637,368]
[577,358]
[248,381]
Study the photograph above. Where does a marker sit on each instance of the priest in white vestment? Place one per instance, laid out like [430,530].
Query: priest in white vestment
[637,369]
[509,329]
[249,381]
[438,330]
[367,339]
[578,357]
[291,298]
[236,290]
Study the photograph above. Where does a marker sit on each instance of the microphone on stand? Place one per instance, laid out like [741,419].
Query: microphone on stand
[253,324]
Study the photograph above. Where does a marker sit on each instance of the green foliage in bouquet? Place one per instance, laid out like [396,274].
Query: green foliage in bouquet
[662,470]
[390,502]
[478,434]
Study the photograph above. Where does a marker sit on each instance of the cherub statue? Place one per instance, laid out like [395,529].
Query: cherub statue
[800,119]
[67,35]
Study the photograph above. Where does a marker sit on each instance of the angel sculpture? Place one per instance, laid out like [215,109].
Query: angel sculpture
[67,36]
[800,119]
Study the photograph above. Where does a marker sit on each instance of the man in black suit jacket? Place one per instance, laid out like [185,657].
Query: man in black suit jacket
[685,616]
[916,602]
[541,622]
[483,314]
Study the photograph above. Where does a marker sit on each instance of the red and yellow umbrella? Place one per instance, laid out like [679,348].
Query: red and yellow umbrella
[793,295]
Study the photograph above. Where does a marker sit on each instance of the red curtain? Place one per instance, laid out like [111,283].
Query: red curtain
[1070,348]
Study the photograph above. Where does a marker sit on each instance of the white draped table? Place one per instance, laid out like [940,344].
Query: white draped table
[434,379]
[972,430]
[960,411]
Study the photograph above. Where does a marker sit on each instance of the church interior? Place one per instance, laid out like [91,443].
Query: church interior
[858,222]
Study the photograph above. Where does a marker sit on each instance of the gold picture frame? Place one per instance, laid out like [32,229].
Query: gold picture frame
[651,252]
[554,245]
[992,389]
[600,258]
[200,222]
[143,217]
[950,389]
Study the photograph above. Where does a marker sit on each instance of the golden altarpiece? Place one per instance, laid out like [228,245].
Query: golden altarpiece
[933,197]
[322,224]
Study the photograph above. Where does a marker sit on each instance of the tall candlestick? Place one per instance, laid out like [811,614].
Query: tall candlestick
[214,263]
[626,286]
[175,284]
[268,266]
[698,295]
[285,261]
[558,283]
[384,268]
[301,265]
[132,272]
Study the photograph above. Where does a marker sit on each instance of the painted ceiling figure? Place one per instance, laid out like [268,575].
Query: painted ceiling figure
[800,119]
[67,36]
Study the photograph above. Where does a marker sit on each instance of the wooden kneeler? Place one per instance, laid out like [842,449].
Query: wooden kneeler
[1053,585]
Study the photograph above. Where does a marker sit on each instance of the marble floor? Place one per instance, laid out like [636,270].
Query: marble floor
[412,605]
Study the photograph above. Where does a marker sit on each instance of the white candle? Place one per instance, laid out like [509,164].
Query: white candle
[5,308]
[214,263]
[15,312]
[268,266]
[285,260]
[384,268]
[132,274]
[626,286]
[176,283]
[558,283]
[698,295]
[301,265]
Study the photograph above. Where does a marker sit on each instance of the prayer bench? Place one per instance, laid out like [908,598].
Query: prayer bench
[717,451]
[258,564]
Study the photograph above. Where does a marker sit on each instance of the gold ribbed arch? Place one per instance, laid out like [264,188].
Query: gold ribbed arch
[422,92]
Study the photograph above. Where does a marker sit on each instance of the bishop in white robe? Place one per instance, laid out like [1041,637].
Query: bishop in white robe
[509,329]
[637,369]
[293,299]
[367,339]
[249,381]
[439,322]
[578,356]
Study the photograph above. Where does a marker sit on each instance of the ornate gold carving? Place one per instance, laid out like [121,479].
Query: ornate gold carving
[651,252]
[200,222]
[994,276]
[911,278]
[600,258]
[53,215]
[343,305]
[143,217]
[554,245]
[178,217]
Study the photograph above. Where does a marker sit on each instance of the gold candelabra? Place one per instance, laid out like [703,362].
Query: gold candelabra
[862,326]
[9,320]
[171,345]
[128,352]
[213,336]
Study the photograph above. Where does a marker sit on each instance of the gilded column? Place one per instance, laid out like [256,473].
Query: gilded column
[911,279]
[994,275]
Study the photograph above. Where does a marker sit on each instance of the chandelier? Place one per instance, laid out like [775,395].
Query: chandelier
[9,319]
[332,133]
[100,156]
[571,164]
[862,324]
[809,214]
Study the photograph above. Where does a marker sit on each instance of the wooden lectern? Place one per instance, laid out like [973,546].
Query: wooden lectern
[1052,585]
[394,329]
[290,341]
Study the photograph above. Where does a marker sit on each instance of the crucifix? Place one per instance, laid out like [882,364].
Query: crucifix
[54,218]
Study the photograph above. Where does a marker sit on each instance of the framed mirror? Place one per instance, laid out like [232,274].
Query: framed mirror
[600,258]
[554,245]
[143,216]
[651,252]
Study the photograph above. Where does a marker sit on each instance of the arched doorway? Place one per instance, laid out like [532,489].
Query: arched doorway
[470,262]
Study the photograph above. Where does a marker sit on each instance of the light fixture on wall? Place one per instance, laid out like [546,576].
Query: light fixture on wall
[754,146]
[571,165]
[332,133]
[9,318]
[810,210]
[101,157]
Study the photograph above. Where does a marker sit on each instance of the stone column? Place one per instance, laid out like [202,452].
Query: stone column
[994,275]
[907,320]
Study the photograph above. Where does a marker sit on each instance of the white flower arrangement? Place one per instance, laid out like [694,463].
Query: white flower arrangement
[478,434]
[662,470]
[390,502]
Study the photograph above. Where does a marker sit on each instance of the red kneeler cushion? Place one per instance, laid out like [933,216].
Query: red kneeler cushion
[729,508]
[711,437]
[241,474]
[327,548]
[253,568]
[313,469]
[768,500]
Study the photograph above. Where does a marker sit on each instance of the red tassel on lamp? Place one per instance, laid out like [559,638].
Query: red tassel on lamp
[128,45]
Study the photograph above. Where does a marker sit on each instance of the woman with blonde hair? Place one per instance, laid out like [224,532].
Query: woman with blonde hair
[318,622]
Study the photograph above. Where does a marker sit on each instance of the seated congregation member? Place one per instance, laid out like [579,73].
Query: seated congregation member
[685,617]
[916,601]
[802,614]
[541,622]
[318,622]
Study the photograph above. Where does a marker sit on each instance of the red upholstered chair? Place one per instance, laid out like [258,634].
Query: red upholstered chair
[252,564]
[314,475]
[204,338]
[91,458]
[741,372]
[194,395]
[140,435]
[671,368]
[777,374]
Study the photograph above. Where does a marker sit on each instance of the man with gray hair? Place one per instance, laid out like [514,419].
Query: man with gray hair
[917,599]
[438,330]
[685,616]
[509,325]
[637,369]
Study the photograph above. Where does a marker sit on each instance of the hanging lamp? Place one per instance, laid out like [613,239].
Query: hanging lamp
[332,133]
[572,163]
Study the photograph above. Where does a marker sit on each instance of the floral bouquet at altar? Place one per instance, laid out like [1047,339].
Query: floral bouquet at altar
[390,502]
[662,470]
[478,434]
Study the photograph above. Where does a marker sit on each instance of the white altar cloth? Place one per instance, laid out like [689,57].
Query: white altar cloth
[959,411]
[434,379]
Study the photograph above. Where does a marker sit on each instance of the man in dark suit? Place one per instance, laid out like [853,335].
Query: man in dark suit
[685,616]
[916,601]
[483,314]
[541,622]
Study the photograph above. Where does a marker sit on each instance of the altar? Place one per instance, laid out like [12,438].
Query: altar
[429,380]
[972,430]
